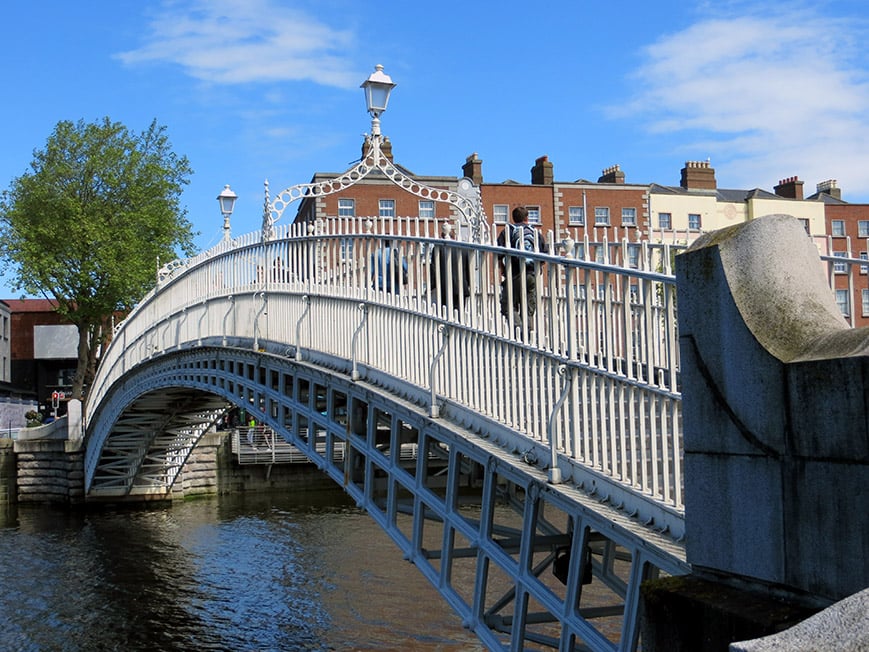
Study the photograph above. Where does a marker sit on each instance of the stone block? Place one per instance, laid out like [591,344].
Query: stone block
[725,534]
[843,626]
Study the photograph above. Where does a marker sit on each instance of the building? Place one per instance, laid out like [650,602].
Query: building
[43,348]
[847,228]
[611,209]
[5,345]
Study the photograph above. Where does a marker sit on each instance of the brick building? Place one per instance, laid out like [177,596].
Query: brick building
[5,344]
[613,208]
[43,348]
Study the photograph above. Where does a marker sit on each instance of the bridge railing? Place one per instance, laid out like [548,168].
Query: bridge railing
[594,371]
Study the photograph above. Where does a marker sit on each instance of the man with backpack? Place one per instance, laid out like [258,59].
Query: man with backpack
[519,284]
[388,268]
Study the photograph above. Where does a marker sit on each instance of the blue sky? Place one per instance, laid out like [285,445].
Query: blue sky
[269,89]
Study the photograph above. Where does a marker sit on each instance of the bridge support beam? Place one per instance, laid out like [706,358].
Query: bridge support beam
[775,427]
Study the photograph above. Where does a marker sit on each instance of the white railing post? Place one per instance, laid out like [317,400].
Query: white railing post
[434,409]
[363,308]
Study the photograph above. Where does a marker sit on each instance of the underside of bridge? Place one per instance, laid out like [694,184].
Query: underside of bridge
[150,441]
[523,562]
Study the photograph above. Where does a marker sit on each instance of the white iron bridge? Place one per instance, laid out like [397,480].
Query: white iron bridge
[546,481]
[529,467]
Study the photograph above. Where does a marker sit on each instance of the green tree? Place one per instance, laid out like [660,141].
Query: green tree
[88,222]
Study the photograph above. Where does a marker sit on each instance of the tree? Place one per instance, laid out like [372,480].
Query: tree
[88,222]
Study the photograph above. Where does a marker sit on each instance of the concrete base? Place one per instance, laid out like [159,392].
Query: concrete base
[843,627]
[688,613]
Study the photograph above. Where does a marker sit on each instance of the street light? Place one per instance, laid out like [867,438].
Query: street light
[227,202]
[377,88]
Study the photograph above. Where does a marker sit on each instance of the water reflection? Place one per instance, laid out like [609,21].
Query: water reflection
[234,573]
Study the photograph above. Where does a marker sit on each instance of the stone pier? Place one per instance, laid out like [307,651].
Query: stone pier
[776,438]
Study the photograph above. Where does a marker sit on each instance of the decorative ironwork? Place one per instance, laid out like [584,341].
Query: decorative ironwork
[466,200]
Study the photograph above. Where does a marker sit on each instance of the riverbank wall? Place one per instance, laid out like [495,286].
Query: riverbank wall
[50,470]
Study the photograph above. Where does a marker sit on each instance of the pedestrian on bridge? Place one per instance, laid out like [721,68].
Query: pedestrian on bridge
[449,272]
[388,268]
[519,273]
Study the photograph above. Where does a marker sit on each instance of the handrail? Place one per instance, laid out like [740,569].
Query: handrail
[611,326]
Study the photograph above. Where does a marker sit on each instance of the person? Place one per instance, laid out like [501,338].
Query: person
[450,272]
[520,272]
[251,431]
[388,268]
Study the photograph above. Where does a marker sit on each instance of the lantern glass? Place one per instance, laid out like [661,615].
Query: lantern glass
[227,200]
[377,88]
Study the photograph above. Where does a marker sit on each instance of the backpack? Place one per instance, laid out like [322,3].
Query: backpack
[524,237]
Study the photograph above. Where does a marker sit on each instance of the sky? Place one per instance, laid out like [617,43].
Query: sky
[256,90]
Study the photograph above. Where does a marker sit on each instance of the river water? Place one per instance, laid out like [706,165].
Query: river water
[242,572]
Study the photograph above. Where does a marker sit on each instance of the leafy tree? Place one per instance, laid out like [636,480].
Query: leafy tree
[88,222]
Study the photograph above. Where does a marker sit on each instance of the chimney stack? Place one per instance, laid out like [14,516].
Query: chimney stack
[473,169]
[612,174]
[829,187]
[791,188]
[385,148]
[698,175]
[541,173]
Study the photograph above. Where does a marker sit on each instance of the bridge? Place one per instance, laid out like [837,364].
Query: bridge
[529,464]
[547,451]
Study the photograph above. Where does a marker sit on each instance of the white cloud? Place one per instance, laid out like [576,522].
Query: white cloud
[770,95]
[238,41]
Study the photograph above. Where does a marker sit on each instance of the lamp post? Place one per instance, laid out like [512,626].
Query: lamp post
[377,88]
[227,203]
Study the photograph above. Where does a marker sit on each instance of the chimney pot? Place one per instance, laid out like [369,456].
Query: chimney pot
[790,188]
[473,169]
[542,172]
[698,175]
[612,174]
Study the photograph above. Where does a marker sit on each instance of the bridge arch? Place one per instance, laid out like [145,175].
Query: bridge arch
[460,508]
[478,507]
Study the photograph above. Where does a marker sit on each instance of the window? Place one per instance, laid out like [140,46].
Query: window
[346,208]
[863,228]
[629,217]
[864,256]
[426,209]
[500,213]
[839,268]
[694,221]
[837,228]
[599,253]
[665,220]
[806,225]
[346,248]
[576,215]
[533,214]
[633,256]
[842,302]
[601,216]
[387,207]
[865,302]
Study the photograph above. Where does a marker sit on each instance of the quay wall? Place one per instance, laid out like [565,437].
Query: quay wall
[51,471]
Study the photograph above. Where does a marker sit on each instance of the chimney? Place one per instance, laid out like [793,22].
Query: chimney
[473,169]
[385,148]
[698,175]
[612,174]
[541,173]
[829,187]
[791,188]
